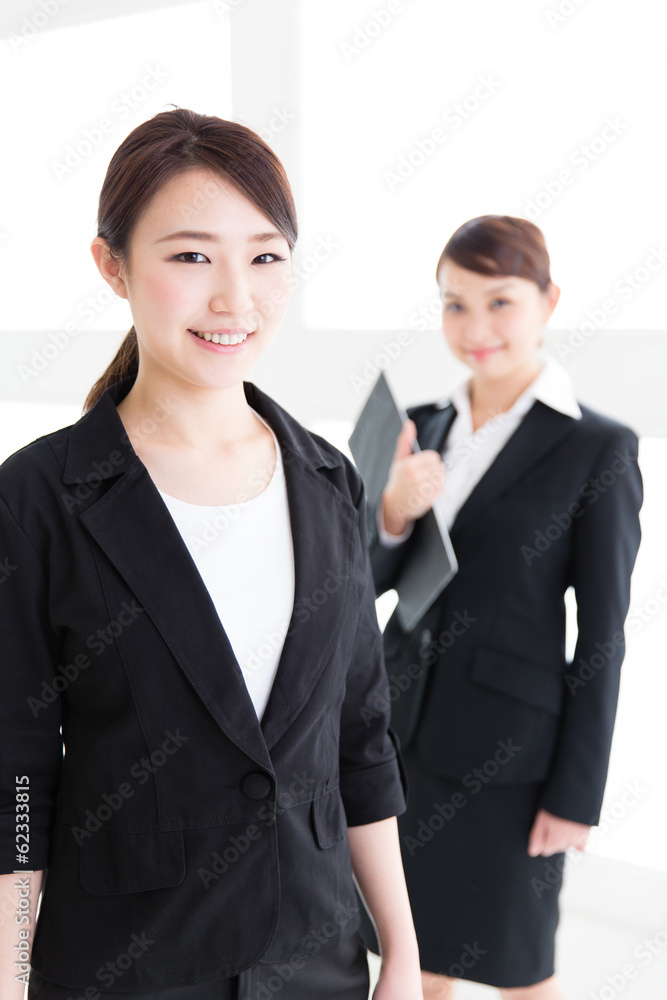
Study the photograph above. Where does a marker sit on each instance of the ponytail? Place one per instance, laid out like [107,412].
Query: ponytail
[124,364]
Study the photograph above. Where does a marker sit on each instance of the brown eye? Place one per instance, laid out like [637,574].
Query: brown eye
[264,258]
[188,253]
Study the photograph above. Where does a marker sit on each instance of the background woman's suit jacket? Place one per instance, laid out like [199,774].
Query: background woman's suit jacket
[484,672]
[176,822]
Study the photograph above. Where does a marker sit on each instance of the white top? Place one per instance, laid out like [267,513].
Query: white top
[244,554]
[468,454]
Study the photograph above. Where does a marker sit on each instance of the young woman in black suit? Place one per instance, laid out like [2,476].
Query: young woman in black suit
[188,607]
[506,744]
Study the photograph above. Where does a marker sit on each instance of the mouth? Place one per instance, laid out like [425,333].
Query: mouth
[226,337]
[483,352]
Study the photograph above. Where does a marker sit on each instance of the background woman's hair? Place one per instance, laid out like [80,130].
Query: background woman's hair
[502,245]
[168,144]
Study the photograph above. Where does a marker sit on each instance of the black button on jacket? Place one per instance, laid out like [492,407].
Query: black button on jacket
[174,816]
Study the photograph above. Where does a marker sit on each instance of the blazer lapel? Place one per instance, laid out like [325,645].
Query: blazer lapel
[436,430]
[540,431]
[323,526]
[133,526]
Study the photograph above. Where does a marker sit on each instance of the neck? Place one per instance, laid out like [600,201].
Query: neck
[489,396]
[170,411]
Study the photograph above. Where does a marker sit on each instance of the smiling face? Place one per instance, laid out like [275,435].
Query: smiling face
[493,323]
[205,265]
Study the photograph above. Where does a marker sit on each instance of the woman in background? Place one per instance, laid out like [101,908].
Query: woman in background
[220,783]
[506,744]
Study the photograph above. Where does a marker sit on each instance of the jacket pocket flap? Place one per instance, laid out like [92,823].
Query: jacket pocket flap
[522,679]
[119,862]
[329,819]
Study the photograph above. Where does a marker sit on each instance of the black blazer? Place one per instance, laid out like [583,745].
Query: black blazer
[175,817]
[481,687]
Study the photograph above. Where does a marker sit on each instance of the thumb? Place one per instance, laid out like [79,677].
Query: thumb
[405,439]
[538,835]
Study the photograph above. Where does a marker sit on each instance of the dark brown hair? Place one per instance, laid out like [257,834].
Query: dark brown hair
[168,144]
[502,245]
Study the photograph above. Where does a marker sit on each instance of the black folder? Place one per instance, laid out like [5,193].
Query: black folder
[430,563]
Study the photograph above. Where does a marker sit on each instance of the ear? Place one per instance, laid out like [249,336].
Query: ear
[110,269]
[552,295]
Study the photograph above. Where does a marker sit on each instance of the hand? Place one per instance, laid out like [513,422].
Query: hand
[551,834]
[399,980]
[414,481]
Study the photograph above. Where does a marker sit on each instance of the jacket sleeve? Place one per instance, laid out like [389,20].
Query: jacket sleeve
[372,776]
[31,750]
[606,536]
[386,561]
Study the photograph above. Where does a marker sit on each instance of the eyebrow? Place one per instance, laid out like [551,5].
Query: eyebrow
[492,291]
[194,234]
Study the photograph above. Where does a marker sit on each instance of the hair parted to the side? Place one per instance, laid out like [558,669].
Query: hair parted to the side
[502,245]
[168,144]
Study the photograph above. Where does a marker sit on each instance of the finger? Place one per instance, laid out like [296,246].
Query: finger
[428,467]
[405,439]
[432,458]
[537,838]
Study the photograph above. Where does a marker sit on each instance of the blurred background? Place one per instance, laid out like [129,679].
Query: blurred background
[397,121]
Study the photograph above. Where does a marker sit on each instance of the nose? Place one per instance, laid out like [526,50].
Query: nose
[232,294]
[476,330]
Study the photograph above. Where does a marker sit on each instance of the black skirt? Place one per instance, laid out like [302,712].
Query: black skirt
[338,970]
[483,909]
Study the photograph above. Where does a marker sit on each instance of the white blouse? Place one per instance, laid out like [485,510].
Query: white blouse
[468,454]
[244,554]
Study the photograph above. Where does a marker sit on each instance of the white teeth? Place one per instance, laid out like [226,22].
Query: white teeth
[222,338]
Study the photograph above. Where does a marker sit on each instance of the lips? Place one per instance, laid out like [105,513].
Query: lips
[484,352]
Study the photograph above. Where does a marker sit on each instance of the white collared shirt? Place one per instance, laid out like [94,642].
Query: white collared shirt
[468,454]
